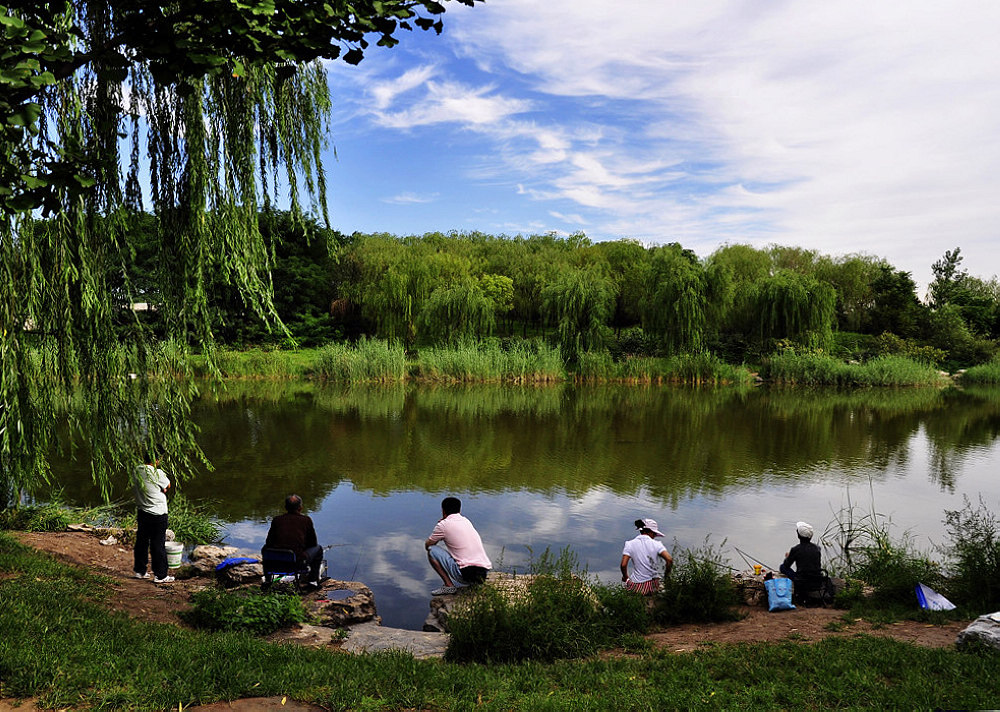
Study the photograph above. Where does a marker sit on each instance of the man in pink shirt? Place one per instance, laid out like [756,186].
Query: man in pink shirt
[463,560]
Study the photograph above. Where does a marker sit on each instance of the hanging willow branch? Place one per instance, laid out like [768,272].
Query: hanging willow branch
[200,111]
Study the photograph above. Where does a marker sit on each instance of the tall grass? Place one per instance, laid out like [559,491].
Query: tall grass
[817,368]
[986,373]
[866,549]
[369,360]
[974,553]
[701,368]
[188,522]
[272,364]
[488,362]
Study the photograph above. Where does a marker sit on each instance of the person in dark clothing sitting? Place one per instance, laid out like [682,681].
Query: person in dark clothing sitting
[805,555]
[294,530]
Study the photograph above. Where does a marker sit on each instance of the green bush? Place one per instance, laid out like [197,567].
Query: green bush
[893,568]
[37,518]
[698,589]
[974,552]
[252,611]
[558,615]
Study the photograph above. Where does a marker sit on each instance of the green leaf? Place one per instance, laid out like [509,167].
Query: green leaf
[85,181]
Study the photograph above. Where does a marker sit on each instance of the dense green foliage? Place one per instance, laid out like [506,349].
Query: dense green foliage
[699,588]
[557,615]
[250,610]
[203,112]
[109,661]
[973,550]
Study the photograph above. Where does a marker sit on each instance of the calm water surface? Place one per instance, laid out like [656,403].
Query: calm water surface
[569,466]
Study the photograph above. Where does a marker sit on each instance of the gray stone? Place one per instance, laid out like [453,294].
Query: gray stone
[374,638]
[312,636]
[245,574]
[338,604]
[206,557]
[985,630]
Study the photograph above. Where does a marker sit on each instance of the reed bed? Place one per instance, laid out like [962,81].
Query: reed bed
[983,374]
[821,369]
[367,361]
[701,368]
[488,362]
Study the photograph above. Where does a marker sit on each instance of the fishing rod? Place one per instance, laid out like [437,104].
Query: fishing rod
[747,559]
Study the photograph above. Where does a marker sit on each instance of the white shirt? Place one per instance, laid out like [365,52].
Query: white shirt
[148,485]
[644,552]
[462,540]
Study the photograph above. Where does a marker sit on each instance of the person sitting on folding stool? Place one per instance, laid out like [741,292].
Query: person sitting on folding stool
[294,530]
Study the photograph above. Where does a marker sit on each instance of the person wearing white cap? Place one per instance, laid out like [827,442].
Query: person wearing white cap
[805,555]
[643,551]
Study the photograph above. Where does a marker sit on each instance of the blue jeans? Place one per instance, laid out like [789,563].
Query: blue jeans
[448,563]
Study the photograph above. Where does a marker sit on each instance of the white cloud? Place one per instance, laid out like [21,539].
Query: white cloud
[452,102]
[386,92]
[870,127]
[411,199]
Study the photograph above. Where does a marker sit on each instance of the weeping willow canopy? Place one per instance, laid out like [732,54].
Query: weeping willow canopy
[200,111]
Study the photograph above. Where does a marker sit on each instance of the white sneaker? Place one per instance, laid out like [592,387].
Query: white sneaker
[165,579]
[444,591]
[142,576]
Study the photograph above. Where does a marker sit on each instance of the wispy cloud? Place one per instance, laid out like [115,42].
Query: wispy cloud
[843,126]
[411,199]
[451,102]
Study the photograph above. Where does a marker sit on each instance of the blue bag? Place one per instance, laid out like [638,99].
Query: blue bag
[779,594]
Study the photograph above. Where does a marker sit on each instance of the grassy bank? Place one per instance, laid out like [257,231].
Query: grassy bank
[374,361]
[76,654]
[987,374]
[535,362]
[821,369]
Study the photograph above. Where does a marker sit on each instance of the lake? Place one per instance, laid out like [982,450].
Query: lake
[569,466]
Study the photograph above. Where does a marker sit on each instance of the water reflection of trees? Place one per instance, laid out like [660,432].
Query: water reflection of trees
[670,442]
[268,439]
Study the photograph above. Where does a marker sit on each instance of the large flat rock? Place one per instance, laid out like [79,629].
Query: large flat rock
[373,638]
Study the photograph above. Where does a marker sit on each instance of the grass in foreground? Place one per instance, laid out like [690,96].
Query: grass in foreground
[75,654]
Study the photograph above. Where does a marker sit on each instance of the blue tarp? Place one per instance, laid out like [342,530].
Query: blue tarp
[234,560]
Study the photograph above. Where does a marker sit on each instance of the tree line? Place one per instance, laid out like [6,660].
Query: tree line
[740,302]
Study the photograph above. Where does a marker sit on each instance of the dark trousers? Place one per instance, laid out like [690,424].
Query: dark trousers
[150,543]
[314,557]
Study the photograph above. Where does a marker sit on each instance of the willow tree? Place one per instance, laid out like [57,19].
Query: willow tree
[200,110]
[682,298]
[579,302]
[797,307]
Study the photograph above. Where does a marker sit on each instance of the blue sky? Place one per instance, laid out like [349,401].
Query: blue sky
[844,127]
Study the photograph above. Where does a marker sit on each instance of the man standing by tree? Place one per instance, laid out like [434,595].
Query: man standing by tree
[464,562]
[150,485]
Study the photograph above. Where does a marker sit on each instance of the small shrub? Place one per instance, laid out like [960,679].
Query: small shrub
[698,589]
[894,568]
[557,616]
[37,518]
[253,611]
[974,550]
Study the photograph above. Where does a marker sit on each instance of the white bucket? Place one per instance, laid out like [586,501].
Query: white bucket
[174,551]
